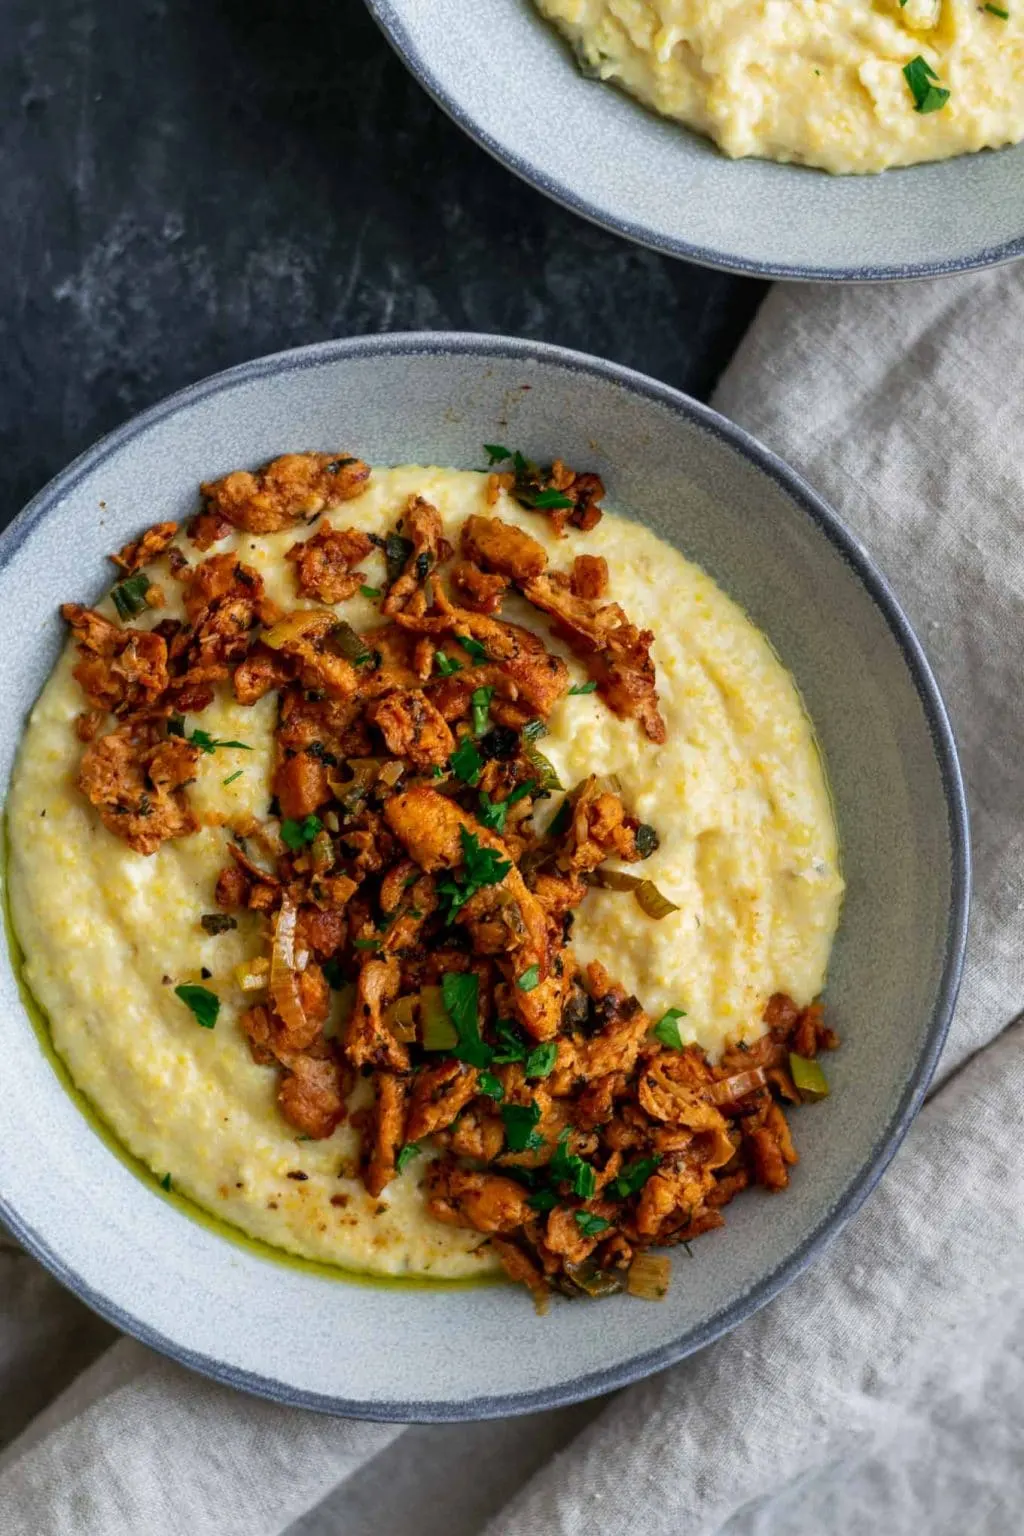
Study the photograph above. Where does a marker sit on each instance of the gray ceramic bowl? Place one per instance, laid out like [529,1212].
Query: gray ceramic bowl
[304,1337]
[505,76]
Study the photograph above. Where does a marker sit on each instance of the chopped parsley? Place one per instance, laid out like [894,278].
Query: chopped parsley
[634,1176]
[529,979]
[297,834]
[997,10]
[520,1120]
[510,1046]
[201,739]
[572,1168]
[588,687]
[589,1224]
[545,501]
[667,1029]
[494,812]
[129,597]
[207,743]
[489,1084]
[409,1151]
[921,78]
[541,1060]
[203,1003]
[530,490]
[466,762]
[496,453]
[481,866]
[372,592]
[461,993]
[481,702]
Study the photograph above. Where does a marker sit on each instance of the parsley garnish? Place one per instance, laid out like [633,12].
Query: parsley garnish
[489,1084]
[207,743]
[296,834]
[920,77]
[493,812]
[667,1029]
[409,1151]
[129,597]
[634,1176]
[372,592]
[482,866]
[541,1059]
[545,501]
[510,1046]
[466,762]
[481,702]
[460,990]
[520,1120]
[583,688]
[201,739]
[529,979]
[570,1167]
[589,1224]
[203,1003]
[496,453]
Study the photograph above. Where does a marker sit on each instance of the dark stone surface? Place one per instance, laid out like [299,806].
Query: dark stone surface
[188,183]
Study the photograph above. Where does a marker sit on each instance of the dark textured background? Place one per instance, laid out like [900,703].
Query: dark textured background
[188,183]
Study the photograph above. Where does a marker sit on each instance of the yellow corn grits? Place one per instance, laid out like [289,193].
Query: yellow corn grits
[819,82]
[748,852]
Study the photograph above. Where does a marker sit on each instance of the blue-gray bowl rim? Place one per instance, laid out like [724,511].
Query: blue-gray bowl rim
[384,14]
[446,343]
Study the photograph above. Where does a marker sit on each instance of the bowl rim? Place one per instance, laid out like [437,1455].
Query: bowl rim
[592,1384]
[387,17]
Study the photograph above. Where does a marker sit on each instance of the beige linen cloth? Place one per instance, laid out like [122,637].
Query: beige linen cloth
[885,1389]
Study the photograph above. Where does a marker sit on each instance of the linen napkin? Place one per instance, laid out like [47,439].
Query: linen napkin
[884,1387]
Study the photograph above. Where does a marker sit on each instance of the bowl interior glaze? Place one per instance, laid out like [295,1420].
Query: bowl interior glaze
[294,1334]
[505,76]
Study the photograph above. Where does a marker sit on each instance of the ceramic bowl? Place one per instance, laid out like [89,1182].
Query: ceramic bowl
[307,1337]
[505,75]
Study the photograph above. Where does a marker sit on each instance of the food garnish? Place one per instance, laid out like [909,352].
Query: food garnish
[204,1004]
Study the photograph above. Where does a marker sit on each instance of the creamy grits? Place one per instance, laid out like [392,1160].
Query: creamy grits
[748,853]
[820,82]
